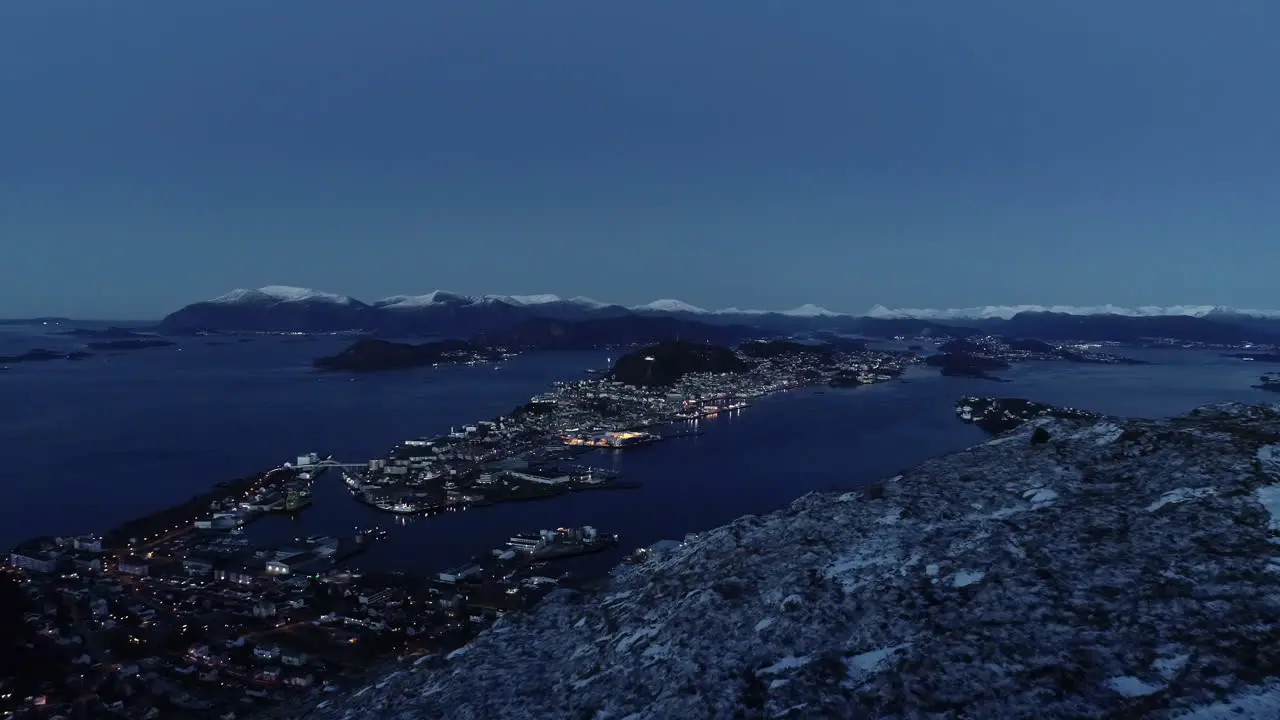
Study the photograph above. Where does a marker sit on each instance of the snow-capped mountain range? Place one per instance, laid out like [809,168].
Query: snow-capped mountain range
[283,308]
[285,293]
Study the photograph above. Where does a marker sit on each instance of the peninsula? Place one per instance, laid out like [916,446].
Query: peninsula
[526,454]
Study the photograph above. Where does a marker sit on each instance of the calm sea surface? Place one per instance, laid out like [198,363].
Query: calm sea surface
[89,444]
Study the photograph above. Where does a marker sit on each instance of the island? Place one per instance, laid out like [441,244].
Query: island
[1259,356]
[43,355]
[371,354]
[1270,382]
[977,356]
[110,333]
[1000,415]
[139,343]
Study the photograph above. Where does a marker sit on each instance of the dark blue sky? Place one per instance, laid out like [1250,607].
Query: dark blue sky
[725,152]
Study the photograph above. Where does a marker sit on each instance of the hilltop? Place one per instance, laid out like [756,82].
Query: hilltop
[1112,568]
[666,362]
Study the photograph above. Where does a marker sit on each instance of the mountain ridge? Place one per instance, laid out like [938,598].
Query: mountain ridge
[278,308]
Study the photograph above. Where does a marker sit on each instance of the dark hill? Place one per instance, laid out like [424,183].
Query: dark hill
[665,363]
[549,333]
[371,354]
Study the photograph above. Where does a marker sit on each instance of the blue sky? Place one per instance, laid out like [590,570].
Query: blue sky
[725,152]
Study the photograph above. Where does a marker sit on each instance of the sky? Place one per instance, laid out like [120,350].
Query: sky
[747,153]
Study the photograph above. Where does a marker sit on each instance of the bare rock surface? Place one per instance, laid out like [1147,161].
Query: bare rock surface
[1122,568]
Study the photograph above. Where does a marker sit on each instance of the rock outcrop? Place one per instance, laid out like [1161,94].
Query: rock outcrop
[1111,569]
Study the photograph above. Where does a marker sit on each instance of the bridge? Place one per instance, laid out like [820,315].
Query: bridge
[330,464]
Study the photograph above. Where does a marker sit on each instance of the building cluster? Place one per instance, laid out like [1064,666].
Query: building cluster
[520,455]
[204,625]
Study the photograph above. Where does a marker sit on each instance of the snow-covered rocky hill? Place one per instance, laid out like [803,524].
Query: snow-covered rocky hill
[1122,568]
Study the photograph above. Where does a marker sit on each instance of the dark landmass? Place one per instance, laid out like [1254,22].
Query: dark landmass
[1000,415]
[909,327]
[555,334]
[460,316]
[1259,356]
[1269,382]
[139,343]
[763,349]
[667,362]
[111,333]
[977,356]
[43,355]
[1128,329]
[371,355]
[36,321]
[965,358]
[845,379]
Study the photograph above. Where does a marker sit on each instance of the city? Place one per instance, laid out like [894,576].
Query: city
[178,610]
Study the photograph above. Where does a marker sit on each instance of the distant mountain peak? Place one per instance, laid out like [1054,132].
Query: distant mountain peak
[669,305]
[436,297]
[810,310]
[282,293]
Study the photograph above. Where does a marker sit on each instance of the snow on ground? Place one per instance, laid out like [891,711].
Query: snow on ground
[1040,497]
[790,662]
[1182,494]
[1260,704]
[1130,686]
[962,579]
[873,660]
[1269,496]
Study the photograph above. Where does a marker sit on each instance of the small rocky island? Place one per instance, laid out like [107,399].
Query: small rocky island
[1270,357]
[1000,415]
[978,356]
[1270,381]
[140,343]
[109,333]
[666,362]
[43,355]
[371,355]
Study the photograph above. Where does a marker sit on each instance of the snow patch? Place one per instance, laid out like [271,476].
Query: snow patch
[458,653]
[1180,495]
[1130,686]
[790,662]
[765,624]
[874,660]
[966,578]
[281,293]
[1269,496]
[1040,497]
[1257,704]
[809,310]
[1169,666]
